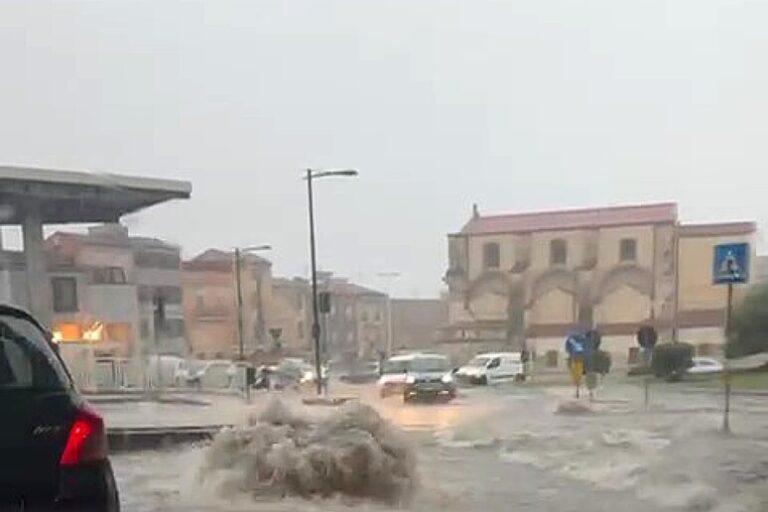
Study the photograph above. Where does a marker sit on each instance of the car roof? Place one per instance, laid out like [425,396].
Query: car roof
[417,355]
[7,309]
[499,354]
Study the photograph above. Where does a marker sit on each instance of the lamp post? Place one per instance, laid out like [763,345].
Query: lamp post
[310,175]
[239,294]
[390,276]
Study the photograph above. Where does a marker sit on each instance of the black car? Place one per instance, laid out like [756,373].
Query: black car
[53,447]
[429,378]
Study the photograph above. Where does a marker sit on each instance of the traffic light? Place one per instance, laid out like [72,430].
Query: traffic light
[324,300]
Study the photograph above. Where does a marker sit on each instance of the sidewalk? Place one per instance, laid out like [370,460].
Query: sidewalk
[179,411]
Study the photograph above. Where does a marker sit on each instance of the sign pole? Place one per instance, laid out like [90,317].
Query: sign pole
[726,373]
[730,266]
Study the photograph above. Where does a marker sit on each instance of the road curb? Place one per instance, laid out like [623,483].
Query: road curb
[128,439]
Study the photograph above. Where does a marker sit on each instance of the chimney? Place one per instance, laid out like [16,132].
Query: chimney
[475,211]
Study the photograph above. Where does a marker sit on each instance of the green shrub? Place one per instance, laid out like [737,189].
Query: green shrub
[748,333]
[670,360]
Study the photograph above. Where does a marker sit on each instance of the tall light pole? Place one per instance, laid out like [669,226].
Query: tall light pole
[239,294]
[310,175]
[390,276]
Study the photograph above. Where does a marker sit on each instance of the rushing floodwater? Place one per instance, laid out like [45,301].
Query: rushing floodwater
[519,449]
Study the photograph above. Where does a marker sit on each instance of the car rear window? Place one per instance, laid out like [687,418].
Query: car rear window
[26,359]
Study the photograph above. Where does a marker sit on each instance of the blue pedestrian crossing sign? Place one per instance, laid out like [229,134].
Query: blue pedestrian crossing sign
[731,264]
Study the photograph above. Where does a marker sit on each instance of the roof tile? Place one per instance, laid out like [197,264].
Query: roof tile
[586,218]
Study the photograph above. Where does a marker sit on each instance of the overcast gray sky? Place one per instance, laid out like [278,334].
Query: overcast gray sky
[516,105]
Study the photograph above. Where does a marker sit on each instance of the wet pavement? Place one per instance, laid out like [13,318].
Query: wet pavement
[517,448]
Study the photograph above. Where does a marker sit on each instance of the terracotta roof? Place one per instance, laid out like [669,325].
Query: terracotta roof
[217,255]
[296,282]
[343,287]
[572,219]
[103,239]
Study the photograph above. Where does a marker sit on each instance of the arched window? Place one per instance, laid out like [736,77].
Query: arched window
[628,250]
[491,255]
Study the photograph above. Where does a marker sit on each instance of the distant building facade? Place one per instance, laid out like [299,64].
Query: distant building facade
[356,326]
[416,323]
[761,269]
[210,303]
[105,284]
[102,290]
[291,315]
[528,279]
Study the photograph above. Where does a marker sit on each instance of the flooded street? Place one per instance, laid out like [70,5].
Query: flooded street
[503,448]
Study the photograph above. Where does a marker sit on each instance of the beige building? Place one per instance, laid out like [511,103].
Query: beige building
[416,323]
[292,314]
[356,326]
[531,278]
[210,304]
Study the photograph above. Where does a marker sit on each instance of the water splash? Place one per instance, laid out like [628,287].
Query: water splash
[352,452]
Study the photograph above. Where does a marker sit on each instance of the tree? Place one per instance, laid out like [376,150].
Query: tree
[748,332]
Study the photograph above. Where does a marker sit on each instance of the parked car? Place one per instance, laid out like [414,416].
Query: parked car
[361,373]
[289,371]
[492,367]
[213,374]
[54,445]
[163,370]
[417,376]
[309,376]
[705,366]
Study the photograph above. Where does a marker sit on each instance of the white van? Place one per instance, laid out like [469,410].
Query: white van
[492,367]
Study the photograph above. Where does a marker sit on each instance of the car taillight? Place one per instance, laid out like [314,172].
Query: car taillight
[87,440]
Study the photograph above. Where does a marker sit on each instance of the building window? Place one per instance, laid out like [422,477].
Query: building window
[491,255]
[109,275]
[628,249]
[64,294]
[558,252]
[164,260]
[145,333]
[174,327]
[300,329]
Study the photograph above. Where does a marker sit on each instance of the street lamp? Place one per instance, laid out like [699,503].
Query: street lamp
[239,288]
[310,175]
[389,276]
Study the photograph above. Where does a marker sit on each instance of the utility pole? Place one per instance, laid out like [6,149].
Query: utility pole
[239,295]
[239,299]
[315,305]
[309,176]
[390,276]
